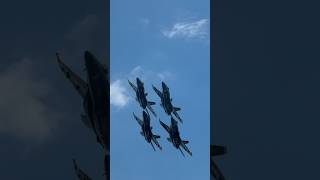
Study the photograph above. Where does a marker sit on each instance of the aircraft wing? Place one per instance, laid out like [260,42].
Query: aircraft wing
[157,91]
[215,171]
[165,126]
[80,85]
[138,120]
[80,173]
[133,86]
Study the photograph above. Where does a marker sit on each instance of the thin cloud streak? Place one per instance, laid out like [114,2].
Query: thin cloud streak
[187,30]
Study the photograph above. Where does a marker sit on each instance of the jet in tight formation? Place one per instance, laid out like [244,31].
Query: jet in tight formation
[174,136]
[216,151]
[95,92]
[146,130]
[166,101]
[141,96]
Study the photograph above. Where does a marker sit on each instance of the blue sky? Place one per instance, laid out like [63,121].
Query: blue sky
[160,40]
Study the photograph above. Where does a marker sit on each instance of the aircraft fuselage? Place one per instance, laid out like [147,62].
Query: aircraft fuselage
[175,135]
[146,129]
[97,101]
[166,100]
[141,97]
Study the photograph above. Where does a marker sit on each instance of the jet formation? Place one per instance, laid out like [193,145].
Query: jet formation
[95,93]
[174,135]
[216,151]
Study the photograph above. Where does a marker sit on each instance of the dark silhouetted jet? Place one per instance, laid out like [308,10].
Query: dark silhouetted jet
[166,101]
[95,93]
[216,151]
[146,130]
[141,96]
[80,173]
[174,136]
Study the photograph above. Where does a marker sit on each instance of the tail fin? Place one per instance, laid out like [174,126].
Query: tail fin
[156,136]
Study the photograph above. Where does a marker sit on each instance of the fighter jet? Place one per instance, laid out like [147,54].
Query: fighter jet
[216,151]
[166,101]
[80,173]
[141,96]
[146,130]
[95,93]
[174,136]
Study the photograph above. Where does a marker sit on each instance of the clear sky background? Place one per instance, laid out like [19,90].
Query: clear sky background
[160,40]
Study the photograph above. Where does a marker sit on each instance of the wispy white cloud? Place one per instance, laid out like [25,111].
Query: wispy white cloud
[137,71]
[196,29]
[149,75]
[164,75]
[120,89]
[118,94]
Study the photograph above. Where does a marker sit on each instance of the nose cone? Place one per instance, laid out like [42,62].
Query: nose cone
[90,60]
[164,86]
[139,82]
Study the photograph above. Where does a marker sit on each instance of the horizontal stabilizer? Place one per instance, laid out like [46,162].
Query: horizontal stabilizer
[176,109]
[156,136]
[151,103]
[185,142]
